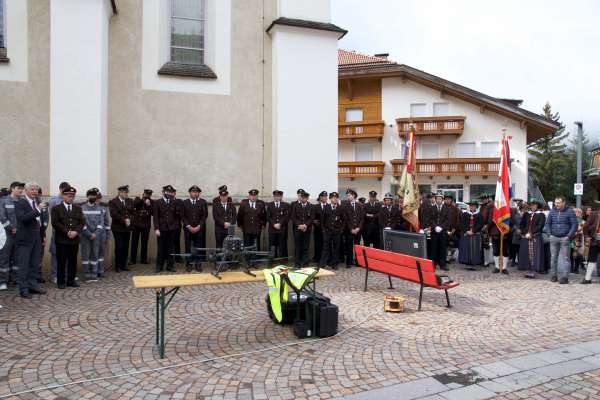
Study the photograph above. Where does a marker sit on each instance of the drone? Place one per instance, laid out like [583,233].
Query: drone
[232,255]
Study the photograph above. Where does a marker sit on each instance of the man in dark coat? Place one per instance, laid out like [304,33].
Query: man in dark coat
[121,210]
[531,250]
[278,216]
[470,252]
[333,223]
[141,222]
[389,216]
[317,228]
[195,212]
[370,228]
[68,222]
[439,225]
[166,218]
[224,215]
[302,215]
[251,217]
[355,216]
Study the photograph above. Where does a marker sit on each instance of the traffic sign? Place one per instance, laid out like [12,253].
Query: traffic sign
[578,189]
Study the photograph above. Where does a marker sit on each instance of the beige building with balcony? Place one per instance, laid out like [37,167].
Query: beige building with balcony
[458,130]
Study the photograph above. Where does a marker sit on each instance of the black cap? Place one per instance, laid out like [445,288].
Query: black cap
[304,194]
[323,193]
[223,193]
[63,186]
[253,192]
[124,188]
[473,203]
[351,191]
[277,193]
[194,188]
[429,195]
[16,184]
[373,193]
[449,197]
[148,192]
[92,192]
[70,190]
[362,200]
[333,194]
[222,187]
[168,188]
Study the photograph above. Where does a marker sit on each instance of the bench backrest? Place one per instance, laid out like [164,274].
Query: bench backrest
[397,265]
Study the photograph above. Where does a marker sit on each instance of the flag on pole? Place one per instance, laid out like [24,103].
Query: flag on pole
[501,215]
[409,188]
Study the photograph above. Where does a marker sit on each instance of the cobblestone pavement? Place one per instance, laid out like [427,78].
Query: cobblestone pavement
[106,328]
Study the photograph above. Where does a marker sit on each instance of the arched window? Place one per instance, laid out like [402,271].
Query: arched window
[187,31]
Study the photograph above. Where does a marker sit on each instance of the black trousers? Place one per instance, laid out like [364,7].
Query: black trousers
[165,248]
[278,242]
[28,260]
[66,263]
[121,249]
[349,241]
[197,239]
[136,235]
[177,241]
[514,251]
[371,237]
[250,239]
[318,242]
[331,249]
[496,246]
[219,238]
[439,248]
[302,244]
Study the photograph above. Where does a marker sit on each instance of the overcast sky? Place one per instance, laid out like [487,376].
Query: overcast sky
[533,50]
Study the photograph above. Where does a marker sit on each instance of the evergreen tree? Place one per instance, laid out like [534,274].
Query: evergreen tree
[548,157]
[569,172]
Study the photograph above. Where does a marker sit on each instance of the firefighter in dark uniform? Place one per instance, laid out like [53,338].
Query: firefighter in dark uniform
[251,217]
[217,199]
[121,210]
[317,228]
[302,215]
[355,215]
[166,219]
[177,238]
[225,215]
[370,229]
[278,216]
[439,225]
[388,217]
[141,222]
[333,223]
[195,212]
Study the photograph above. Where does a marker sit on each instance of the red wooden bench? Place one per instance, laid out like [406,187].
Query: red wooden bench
[408,268]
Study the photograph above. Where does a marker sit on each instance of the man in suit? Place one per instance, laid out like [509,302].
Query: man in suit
[166,219]
[195,212]
[121,210]
[217,199]
[278,216]
[251,217]
[225,215]
[68,222]
[388,217]
[317,228]
[141,222]
[439,224]
[29,213]
[333,223]
[370,228]
[355,215]
[302,215]
[8,220]
[177,238]
[52,248]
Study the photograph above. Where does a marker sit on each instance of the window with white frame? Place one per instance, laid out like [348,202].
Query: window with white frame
[466,150]
[363,152]
[428,150]
[2,24]
[490,149]
[188,18]
[354,114]
[441,109]
[418,110]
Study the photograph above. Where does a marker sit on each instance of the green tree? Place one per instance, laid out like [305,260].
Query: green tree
[569,172]
[548,157]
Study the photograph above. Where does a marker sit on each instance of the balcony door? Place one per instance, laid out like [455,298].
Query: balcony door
[363,152]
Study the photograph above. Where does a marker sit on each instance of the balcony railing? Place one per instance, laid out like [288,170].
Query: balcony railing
[360,130]
[360,169]
[452,166]
[426,126]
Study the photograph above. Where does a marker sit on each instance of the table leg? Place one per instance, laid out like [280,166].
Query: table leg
[157,316]
[161,348]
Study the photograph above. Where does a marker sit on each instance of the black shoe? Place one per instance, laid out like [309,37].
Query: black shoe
[37,291]
[495,271]
[145,262]
[125,269]
[504,271]
[62,286]
[26,295]
[41,280]
[554,279]
[198,268]
[73,284]
[131,263]
[188,268]
[563,281]
[586,282]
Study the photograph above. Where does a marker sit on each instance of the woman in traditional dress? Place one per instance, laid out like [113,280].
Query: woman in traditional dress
[470,250]
[591,232]
[531,252]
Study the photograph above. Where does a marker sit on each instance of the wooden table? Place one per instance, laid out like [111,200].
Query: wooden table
[160,283]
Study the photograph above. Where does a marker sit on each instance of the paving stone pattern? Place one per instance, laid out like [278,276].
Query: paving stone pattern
[505,337]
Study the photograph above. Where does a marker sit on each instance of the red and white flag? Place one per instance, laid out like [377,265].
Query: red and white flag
[501,215]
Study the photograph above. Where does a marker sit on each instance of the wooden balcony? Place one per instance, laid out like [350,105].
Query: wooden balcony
[431,126]
[452,166]
[360,130]
[360,169]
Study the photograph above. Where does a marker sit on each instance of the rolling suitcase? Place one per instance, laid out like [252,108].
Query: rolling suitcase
[323,316]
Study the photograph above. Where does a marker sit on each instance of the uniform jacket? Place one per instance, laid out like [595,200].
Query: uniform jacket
[63,222]
[319,208]
[355,216]
[333,220]
[251,220]
[119,212]
[534,226]
[195,214]
[302,215]
[95,218]
[465,222]
[279,215]
[425,212]
[30,222]
[440,218]
[8,218]
[222,215]
[167,216]
[371,221]
[142,213]
[389,217]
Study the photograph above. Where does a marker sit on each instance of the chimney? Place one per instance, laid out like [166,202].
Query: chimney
[382,55]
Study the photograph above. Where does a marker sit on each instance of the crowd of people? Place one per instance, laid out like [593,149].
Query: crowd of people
[540,240]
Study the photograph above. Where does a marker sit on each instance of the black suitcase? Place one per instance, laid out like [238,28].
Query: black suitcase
[323,317]
[289,309]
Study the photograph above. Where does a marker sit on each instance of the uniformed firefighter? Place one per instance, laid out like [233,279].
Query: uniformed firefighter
[333,221]
[92,235]
[104,236]
[195,212]
[370,229]
[388,217]
[8,220]
[121,211]
[278,216]
[224,215]
[302,215]
[355,215]
[251,217]
[317,228]
[166,220]
[141,223]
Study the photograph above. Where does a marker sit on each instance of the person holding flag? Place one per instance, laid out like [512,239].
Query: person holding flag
[499,227]
[408,190]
